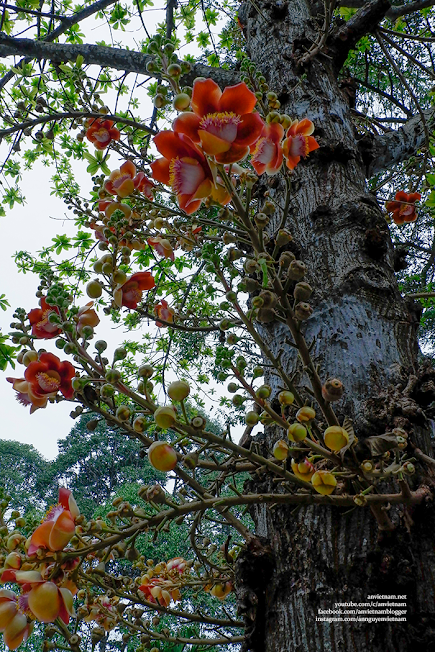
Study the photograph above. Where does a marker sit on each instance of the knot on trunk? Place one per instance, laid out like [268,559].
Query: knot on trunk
[254,568]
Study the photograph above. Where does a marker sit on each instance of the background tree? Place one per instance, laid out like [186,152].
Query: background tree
[363,74]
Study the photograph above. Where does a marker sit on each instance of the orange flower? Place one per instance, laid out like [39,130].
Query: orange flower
[13,622]
[222,122]
[101,132]
[142,183]
[47,376]
[121,182]
[185,168]
[162,246]
[58,526]
[38,317]
[86,316]
[159,591]
[267,151]
[403,208]
[299,142]
[130,293]
[162,311]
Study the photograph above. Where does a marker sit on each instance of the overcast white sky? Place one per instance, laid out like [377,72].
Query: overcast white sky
[31,227]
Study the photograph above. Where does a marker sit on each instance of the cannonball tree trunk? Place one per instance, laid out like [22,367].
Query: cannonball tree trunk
[364,333]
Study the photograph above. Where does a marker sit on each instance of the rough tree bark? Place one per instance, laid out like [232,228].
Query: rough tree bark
[364,333]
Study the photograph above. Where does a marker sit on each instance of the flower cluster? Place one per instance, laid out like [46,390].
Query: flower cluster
[47,593]
[403,207]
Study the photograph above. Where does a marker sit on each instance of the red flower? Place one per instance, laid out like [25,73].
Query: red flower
[403,208]
[163,311]
[47,376]
[121,182]
[222,122]
[130,293]
[299,142]
[101,132]
[58,526]
[38,317]
[142,183]
[162,246]
[185,168]
[267,151]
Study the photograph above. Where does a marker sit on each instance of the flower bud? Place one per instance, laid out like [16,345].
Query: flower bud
[303,311]
[107,391]
[264,391]
[232,387]
[283,237]
[257,372]
[303,470]
[360,500]
[162,456]
[324,482]
[113,375]
[286,259]
[145,371]
[305,414]
[332,390]
[302,291]
[252,285]
[269,299]
[94,289]
[297,270]
[252,418]
[181,101]
[280,449]
[28,357]
[261,220]
[266,419]
[139,424]
[297,432]
[178,390]
[123,413]
[335,438]
[165,417]
[286,397]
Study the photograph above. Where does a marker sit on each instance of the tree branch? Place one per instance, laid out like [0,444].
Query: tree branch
[67,22]
[382,152]
[365,20]
[396,11]
[106,57]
